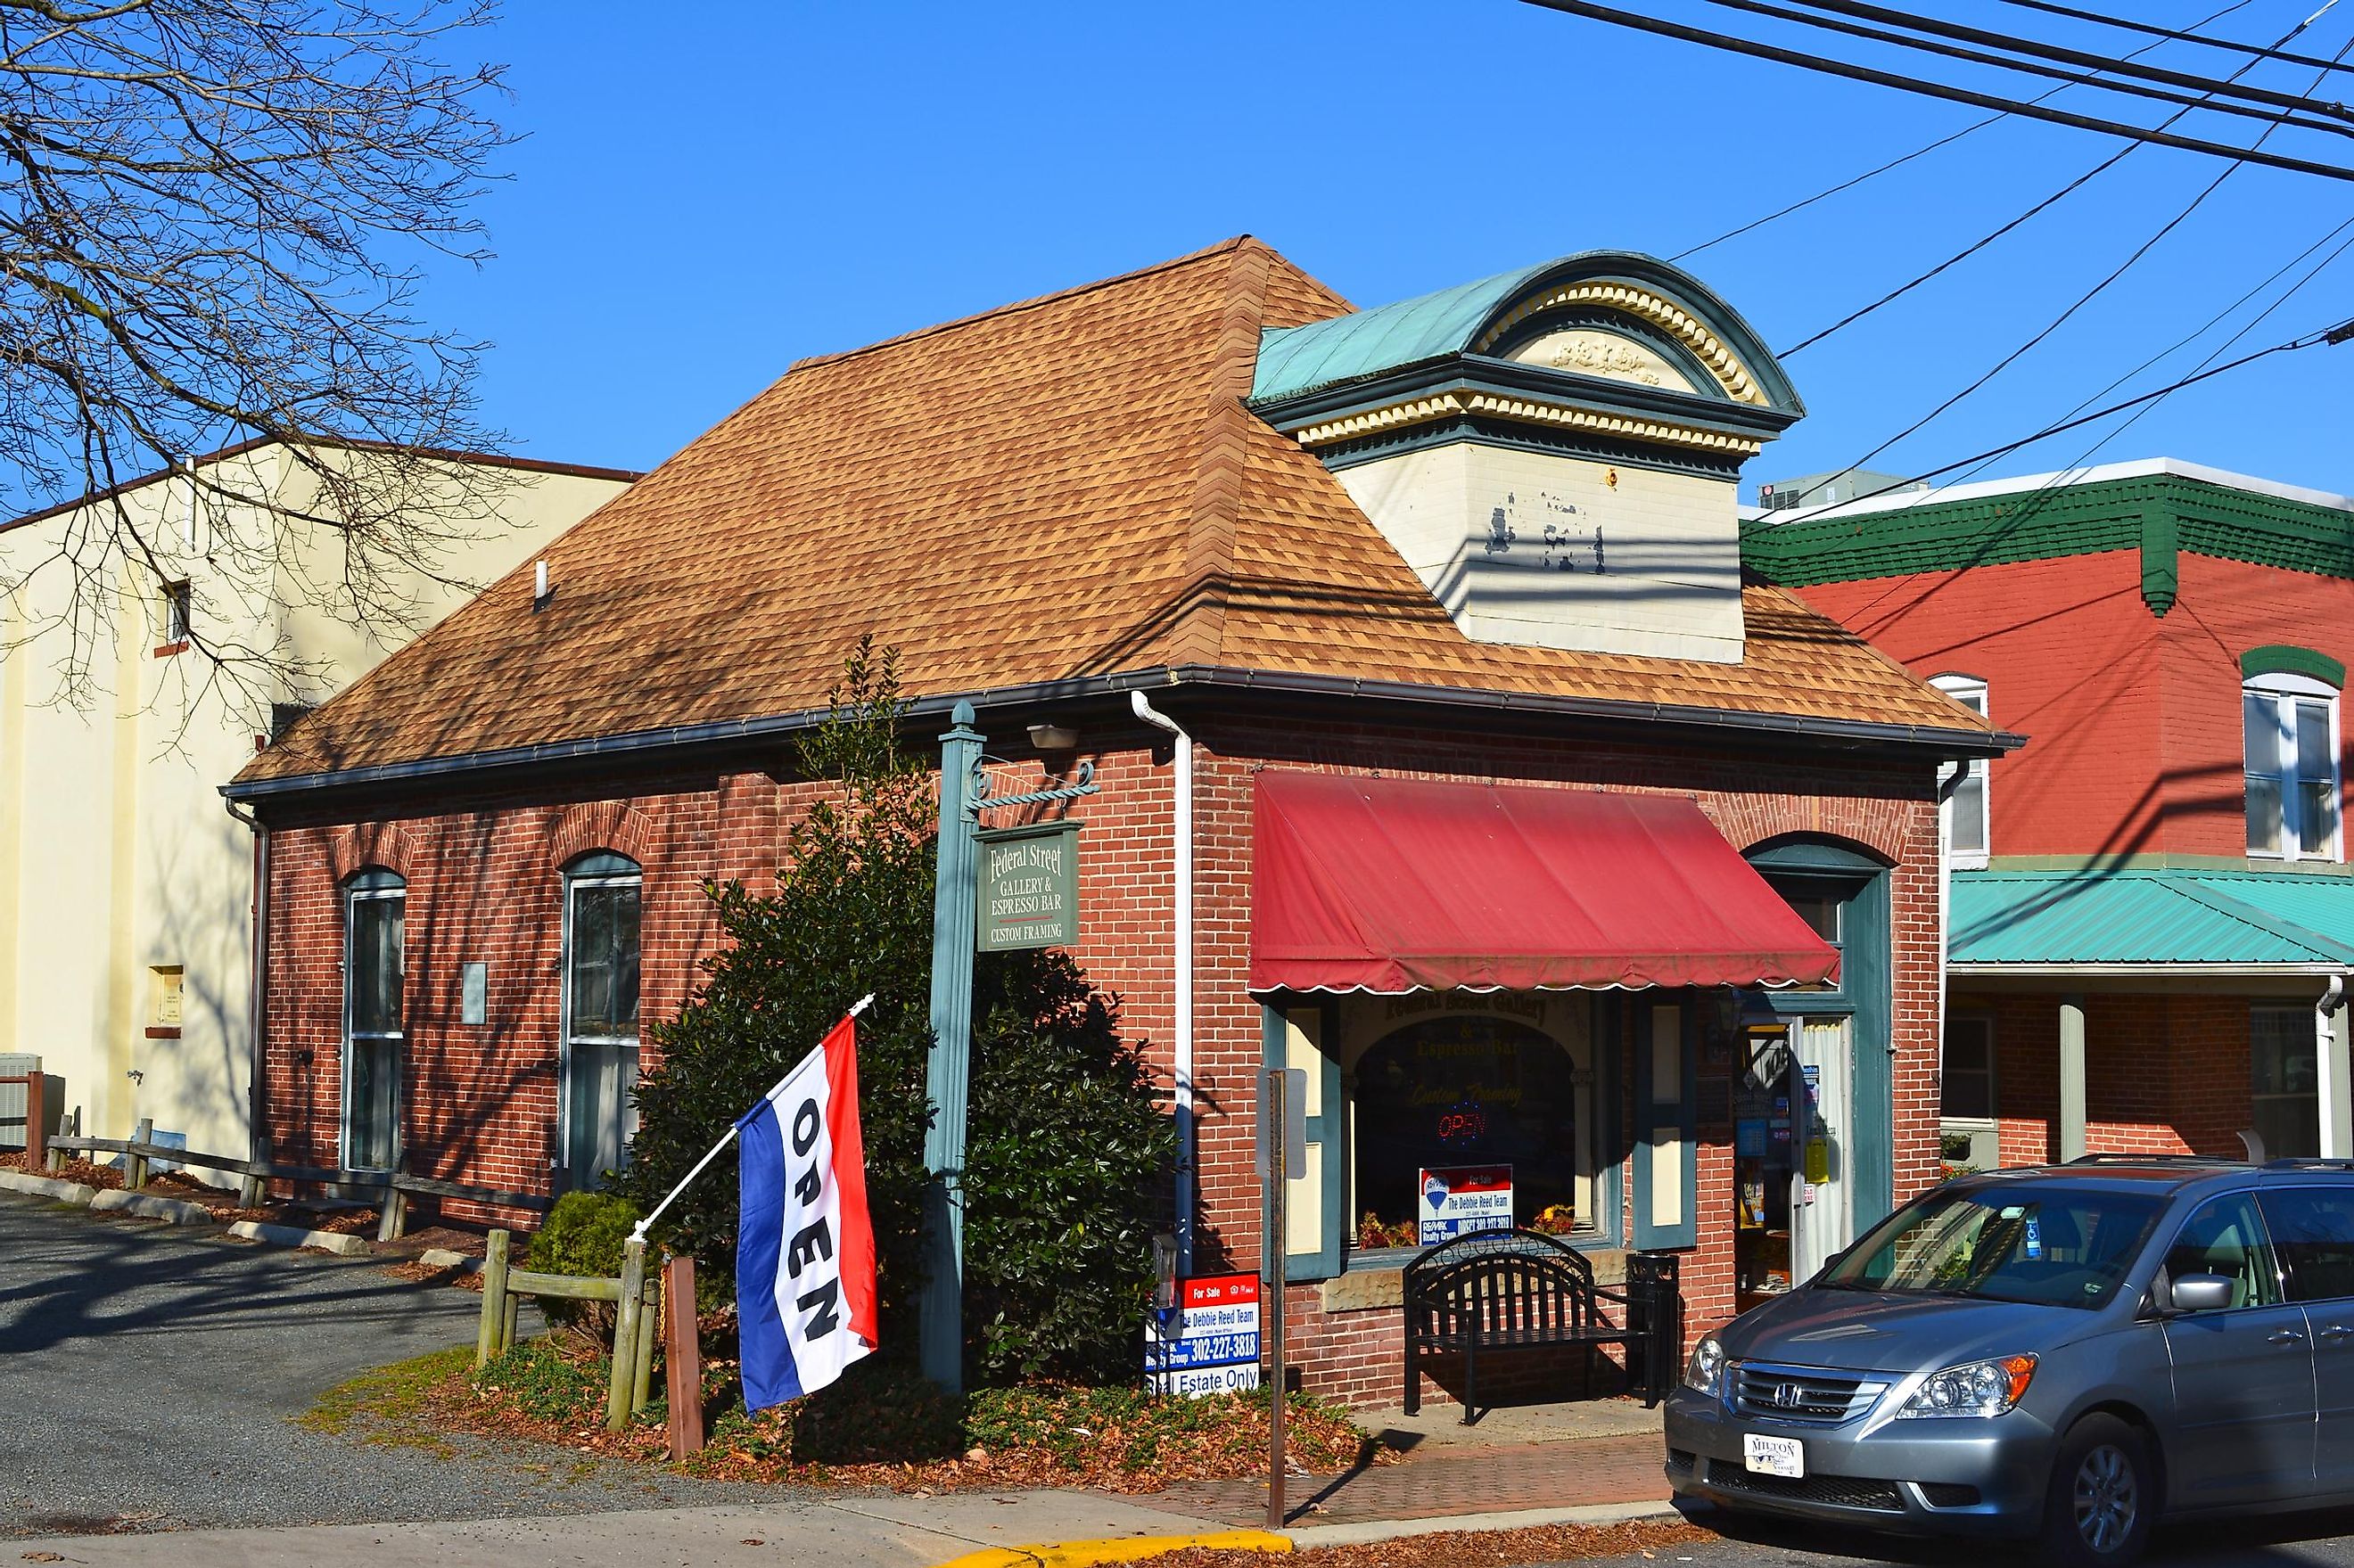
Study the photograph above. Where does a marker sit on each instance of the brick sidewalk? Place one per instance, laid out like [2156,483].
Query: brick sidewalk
[1438,1483]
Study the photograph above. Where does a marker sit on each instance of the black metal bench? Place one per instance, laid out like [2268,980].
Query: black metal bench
[1515,1290]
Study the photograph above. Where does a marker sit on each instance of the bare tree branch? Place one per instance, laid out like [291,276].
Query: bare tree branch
[214,215]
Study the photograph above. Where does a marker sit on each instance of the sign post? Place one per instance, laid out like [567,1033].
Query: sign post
[1045,873]
[1274,1123]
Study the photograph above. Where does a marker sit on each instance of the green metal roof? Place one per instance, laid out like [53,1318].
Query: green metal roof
[2151,916]
[1293,360]
[1365,343]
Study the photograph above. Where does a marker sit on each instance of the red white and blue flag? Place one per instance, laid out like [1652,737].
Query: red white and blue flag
[805,1249]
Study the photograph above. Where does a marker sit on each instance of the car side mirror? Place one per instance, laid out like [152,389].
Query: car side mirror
[2200,1293]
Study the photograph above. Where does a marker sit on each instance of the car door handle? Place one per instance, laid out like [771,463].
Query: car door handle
[2285,1337]
[2337,1331]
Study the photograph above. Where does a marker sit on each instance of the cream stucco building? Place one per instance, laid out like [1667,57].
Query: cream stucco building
[126,886]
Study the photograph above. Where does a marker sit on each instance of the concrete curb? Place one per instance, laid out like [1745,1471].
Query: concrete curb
[443,1257]
[72,1192]
[287,1235]
[147,1207]
[1308,1535]
[1123,1549]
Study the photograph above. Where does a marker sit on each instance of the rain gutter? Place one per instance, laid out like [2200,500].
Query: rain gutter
[1947,744]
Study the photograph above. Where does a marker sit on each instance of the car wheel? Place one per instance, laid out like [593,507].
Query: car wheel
[2104,1496]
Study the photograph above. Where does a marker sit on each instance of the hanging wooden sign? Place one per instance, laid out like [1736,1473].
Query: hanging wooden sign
[1029,890]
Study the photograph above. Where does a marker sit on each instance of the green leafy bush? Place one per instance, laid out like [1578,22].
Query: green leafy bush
[1066,1146]
[583,1237]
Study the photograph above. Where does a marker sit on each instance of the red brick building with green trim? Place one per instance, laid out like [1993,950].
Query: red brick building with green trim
[1485,540]
[2151,907]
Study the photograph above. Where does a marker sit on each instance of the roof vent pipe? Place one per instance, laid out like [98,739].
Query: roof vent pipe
[539,585]
[1182,876]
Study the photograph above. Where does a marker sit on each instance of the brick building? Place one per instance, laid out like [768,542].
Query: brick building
[2152,913]
[1594,854]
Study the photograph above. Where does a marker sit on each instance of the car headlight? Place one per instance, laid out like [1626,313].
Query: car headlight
[1704,1374]
[1974,1388]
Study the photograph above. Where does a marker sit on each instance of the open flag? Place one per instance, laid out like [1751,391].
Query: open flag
[805,1248]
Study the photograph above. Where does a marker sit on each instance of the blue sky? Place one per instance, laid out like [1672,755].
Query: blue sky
[700,200]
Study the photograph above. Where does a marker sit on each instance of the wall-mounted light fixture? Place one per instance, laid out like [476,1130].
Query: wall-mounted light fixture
[1054,737]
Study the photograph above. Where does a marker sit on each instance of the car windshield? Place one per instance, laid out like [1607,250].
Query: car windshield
[2065,1247]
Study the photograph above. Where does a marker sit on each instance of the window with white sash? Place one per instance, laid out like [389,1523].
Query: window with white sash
[2290,727]
[1965,816]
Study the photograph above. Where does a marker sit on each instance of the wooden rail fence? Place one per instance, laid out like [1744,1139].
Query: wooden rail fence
[394,1188]
[36,1116]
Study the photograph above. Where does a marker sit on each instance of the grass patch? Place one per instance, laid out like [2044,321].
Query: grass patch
[389,1404]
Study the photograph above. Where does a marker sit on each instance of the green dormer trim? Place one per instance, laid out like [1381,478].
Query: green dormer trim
[2282,659]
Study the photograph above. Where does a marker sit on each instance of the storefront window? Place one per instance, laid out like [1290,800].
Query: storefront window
[1456,1093]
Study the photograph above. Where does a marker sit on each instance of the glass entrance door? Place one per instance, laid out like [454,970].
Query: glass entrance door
[1822,1211]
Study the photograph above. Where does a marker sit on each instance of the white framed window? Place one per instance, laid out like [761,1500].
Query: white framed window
[375,905]
[1965,815]
[602,900]
[2290,728]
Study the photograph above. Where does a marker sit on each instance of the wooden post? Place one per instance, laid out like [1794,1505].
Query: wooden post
[642,1364]
[134,1166]
[37,1119]
[392,1217]
[251,1191]
[1272,1086]
[507,1326]
[625,1335]
[494,1300]
[683,1358]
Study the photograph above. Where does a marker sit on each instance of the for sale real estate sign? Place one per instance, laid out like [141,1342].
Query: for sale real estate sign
[1460,1198]
[1208,1344]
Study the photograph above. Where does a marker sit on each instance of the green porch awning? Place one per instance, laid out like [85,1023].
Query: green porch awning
[2158,918]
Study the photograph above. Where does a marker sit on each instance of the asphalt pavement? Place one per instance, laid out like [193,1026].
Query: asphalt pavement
[148,1380]
[2287,1540]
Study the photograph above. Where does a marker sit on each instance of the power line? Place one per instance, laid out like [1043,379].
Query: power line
[1962,255]
[2209,323]
[1897,162]
[2207,99]
[2342,333]
[1969,251]
[2017,45]
[1940,89]
[2191,36]
[2090,294]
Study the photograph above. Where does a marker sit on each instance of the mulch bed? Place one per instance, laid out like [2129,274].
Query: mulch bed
[551,1391]
[219,1202]
[1462,1548]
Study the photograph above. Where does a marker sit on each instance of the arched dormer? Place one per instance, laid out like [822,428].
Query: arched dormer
[1554,450]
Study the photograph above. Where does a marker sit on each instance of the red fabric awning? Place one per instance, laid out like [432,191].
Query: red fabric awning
[1398,884]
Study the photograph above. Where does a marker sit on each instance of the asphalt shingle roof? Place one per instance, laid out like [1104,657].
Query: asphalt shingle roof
[1063,487]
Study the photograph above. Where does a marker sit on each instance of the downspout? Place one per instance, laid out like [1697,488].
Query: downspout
[1182,874]
[257,992]
[2328,1085]
[1948,787]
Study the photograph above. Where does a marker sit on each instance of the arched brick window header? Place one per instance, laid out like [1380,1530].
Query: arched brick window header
[2282,659]
[1875,828]
[372,844]
[610,825]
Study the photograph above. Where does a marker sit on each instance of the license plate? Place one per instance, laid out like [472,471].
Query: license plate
[1785,1457]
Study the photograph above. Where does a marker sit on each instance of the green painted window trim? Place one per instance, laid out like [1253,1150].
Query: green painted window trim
[2285,659]
[1324,1128]
[1864,993]
[1654,1117]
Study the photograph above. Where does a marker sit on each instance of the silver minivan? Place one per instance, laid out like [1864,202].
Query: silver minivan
[2067,1352]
